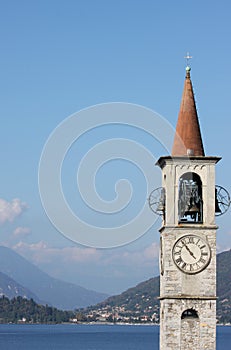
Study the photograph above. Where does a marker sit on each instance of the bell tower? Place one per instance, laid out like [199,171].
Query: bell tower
[188,236]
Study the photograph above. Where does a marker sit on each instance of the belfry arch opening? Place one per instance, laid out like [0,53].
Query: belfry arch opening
[190,201]
[189,313]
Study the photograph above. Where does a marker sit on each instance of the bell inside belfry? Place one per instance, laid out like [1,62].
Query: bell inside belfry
[190,198]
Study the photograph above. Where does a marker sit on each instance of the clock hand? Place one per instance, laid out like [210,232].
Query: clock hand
[187,248]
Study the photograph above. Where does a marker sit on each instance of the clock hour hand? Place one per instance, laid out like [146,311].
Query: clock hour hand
[187,248]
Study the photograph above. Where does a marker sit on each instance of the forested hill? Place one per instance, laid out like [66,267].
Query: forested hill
[22,310]
[224,286]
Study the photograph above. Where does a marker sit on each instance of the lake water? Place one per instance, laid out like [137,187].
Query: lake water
[89,337]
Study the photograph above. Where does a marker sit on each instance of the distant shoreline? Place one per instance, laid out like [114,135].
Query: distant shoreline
[96,324]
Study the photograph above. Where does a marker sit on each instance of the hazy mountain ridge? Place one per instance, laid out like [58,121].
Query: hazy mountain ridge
[10,288]
[52,291]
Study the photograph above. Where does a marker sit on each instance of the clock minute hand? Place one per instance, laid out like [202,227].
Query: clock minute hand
[187,248]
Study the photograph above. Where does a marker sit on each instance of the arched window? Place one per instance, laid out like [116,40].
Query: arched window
[190,330]
[190,203]
[189,313]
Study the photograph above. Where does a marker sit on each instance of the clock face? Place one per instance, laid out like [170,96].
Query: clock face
[191,254]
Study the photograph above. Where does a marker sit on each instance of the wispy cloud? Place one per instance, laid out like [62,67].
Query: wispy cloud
[41,253]
[139,257]
[9,211]
[20,232]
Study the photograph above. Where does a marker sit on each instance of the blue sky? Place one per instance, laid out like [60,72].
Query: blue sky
[58,58]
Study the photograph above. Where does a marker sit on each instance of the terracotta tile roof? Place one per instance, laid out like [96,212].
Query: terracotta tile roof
[188,139]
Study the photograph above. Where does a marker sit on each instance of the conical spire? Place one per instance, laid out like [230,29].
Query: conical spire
[188,141]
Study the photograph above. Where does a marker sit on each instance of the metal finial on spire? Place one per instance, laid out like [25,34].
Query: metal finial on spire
[188,68]
[188,57]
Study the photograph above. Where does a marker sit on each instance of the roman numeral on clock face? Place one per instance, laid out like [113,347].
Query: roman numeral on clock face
[179,260]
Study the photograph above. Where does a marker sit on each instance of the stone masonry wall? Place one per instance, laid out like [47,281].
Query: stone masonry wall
[188,334]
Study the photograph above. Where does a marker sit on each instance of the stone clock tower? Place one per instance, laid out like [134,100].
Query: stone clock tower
[188,237]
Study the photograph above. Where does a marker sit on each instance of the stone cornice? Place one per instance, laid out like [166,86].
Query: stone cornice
[162,161]
[187,297]
[186,227]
